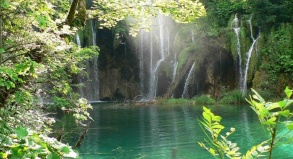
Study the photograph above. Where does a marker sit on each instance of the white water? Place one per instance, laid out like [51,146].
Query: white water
[236,28]
[175,61]
[243,71]
[141,60]
[157,53]
[187,82]
[91,89]
[81,91]
[248,56]
[77,39]
[96,68]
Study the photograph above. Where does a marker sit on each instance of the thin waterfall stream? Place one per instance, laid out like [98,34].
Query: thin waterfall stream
[248,55]
[187,82]
[243,71]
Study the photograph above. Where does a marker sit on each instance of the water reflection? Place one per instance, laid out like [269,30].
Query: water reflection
[152,132]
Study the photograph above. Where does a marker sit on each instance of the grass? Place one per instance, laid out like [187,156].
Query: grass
[233,97]
[204,99]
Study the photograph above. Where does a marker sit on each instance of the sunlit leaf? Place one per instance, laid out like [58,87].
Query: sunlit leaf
[21,132]
[288,92]
[285,113]
[290,126]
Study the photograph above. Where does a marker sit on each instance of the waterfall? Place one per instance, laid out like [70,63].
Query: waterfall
[96,68]
[141,60]
[187,82]
[152,79]
[243,71]
[153,48]
[91,89]
[77,39]
[248,56]
[153,83]
[175,62]
[79,76]
[236,29]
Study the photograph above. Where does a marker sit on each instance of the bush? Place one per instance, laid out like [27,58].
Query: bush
[204,99]
[233,97]
[177,101]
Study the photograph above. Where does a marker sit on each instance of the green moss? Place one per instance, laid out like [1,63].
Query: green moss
[183,56]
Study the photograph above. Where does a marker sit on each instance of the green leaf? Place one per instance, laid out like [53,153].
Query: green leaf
[288,92]
[257,96]
[212,151]
[271,106]
[53,156]
[271,121]
[218,126]
[207,117]
[65,149]
[290,126]
[216,118]
[2,50]
[285,113]
[21,132]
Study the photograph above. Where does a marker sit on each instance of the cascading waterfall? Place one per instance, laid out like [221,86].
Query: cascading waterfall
[81,91]
[91,89]
[187,82]
[141,62]
[154,77]
[77,39]
[248,55]
[96,68]
[156,55]
[243,72]
[175,62]
[156,49]
[236,28]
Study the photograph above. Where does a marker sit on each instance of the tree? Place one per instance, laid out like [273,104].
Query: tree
[38,58]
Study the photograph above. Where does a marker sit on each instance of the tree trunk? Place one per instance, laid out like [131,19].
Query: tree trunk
[71,14]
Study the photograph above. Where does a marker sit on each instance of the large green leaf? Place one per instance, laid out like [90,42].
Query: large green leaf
[288,92]
[21,132]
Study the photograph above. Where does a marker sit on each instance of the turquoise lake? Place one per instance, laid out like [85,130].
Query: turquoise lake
[160,132]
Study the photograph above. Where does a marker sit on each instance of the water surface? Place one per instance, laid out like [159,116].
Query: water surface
[160,132]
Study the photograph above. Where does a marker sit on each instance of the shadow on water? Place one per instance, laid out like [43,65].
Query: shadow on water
[152,132]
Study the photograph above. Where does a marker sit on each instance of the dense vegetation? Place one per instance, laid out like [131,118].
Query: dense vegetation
[38,59]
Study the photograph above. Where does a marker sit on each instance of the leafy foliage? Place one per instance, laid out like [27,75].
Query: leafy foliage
[275,117]
[38,59]
[203,99]
[139,13]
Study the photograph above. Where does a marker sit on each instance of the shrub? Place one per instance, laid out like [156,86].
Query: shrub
[177,101]
[204,99]
[233,97]
[274,118]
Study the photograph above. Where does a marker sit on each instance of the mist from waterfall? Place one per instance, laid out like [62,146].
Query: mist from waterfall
[153,50]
